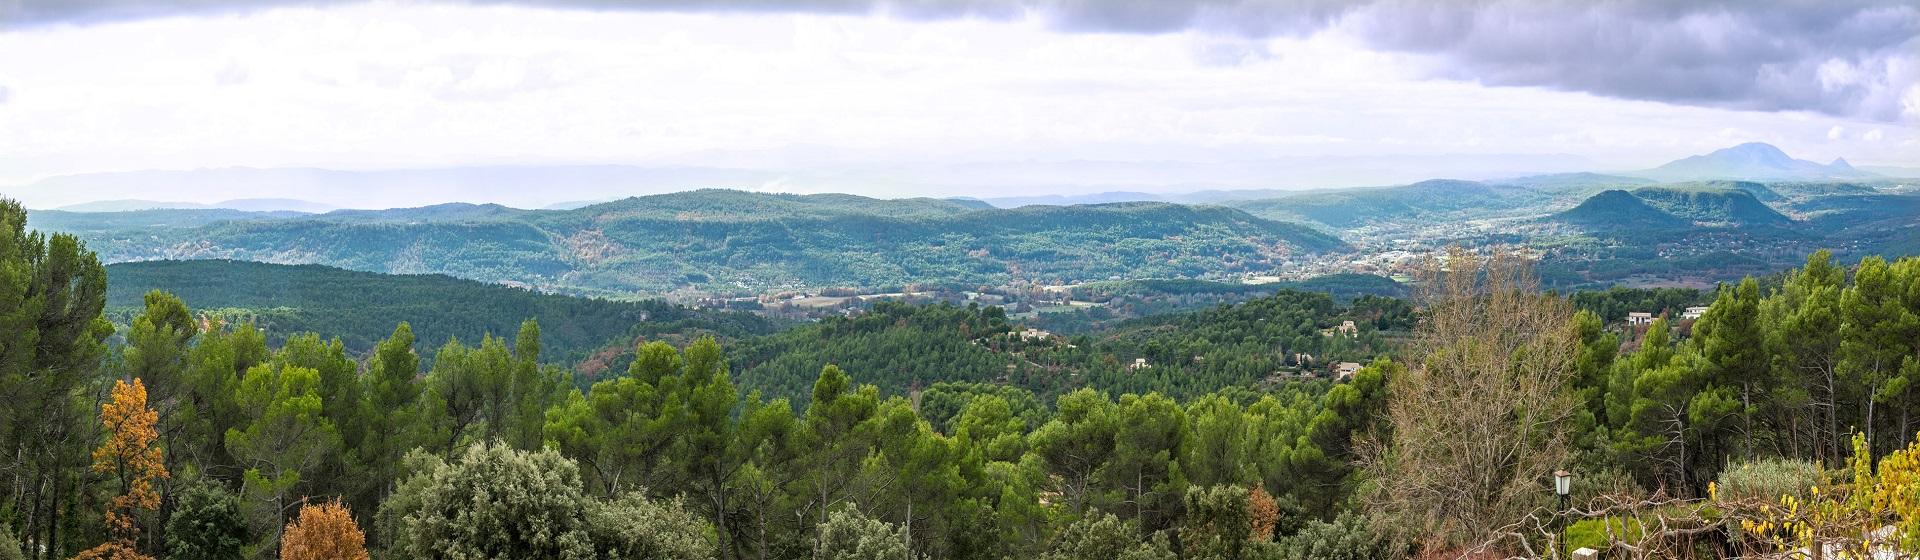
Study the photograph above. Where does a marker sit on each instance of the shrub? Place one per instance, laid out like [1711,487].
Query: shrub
[1768,480]
[207,525]
[494,501]
[849,535]
[1347,537]
[9,548]
[1104,537]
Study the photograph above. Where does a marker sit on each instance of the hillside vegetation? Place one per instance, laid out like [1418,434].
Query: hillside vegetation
[361,307]
[724,240]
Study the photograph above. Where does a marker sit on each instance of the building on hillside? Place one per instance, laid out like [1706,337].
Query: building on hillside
[1639,319]
[1694,313]
[1346,328]
[1345,370]
[1034,334]
[1139,363]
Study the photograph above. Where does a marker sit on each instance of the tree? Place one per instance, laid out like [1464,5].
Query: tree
[1803,337]
[323,532]
[1729,338]
[1262,514]
[1483,415]
[131,455]
[622,429]
[850,535]
[1218,522]
[1217,454]
[284,437]
[1876,338]
[1151,443]
[392,414]
[207,525]
[1076,443]
[52,291]
[837,434]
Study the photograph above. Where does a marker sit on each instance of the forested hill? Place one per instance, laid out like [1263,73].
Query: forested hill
[723,240]
[900,348]
[362,307]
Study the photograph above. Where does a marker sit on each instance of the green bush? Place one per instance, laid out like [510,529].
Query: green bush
[1592,533]
[206,525]
[1347,537]
[9,548]
[850,535]
[1768,480]
[1105,537]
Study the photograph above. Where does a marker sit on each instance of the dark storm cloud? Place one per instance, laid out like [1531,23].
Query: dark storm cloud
[1852,58]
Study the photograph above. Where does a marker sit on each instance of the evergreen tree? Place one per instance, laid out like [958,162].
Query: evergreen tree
[52,339]
[207,525]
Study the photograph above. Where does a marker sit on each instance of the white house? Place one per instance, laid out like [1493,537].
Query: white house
[1639,319]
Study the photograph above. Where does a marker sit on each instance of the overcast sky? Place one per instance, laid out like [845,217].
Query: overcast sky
[113,85]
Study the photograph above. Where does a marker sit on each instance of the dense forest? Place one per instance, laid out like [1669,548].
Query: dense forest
[1778,421]
[360,307]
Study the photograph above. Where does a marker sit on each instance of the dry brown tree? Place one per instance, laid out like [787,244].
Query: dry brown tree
[1480,420]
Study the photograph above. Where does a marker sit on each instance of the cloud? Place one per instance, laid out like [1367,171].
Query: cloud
[1849,58]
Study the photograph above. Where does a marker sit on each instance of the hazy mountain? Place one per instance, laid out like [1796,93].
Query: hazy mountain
[525,186]
[1752,161]
[1568,180]
[1890,171]
[242,204]
[1433,199]
[1066,200]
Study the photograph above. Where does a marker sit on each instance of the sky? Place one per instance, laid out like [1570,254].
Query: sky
[948,97]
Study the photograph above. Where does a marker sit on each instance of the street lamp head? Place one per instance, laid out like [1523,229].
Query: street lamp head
[1562,482]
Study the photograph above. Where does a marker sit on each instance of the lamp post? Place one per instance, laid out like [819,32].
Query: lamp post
[1563,485]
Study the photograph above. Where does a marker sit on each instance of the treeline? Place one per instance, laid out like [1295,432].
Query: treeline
[1790,372]
[361,307]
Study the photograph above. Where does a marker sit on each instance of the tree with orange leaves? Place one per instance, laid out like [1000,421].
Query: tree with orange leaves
[131,455]
[323,532]
[1262,513]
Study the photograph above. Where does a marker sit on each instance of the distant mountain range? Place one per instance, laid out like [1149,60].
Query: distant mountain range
[1753,161]
[562,187]
[242,204]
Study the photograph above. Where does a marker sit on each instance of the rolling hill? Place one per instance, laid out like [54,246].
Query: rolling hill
[1615,209]
[1713,206]
[724,240]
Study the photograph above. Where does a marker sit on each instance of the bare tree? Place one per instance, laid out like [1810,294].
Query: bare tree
[1481,418]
